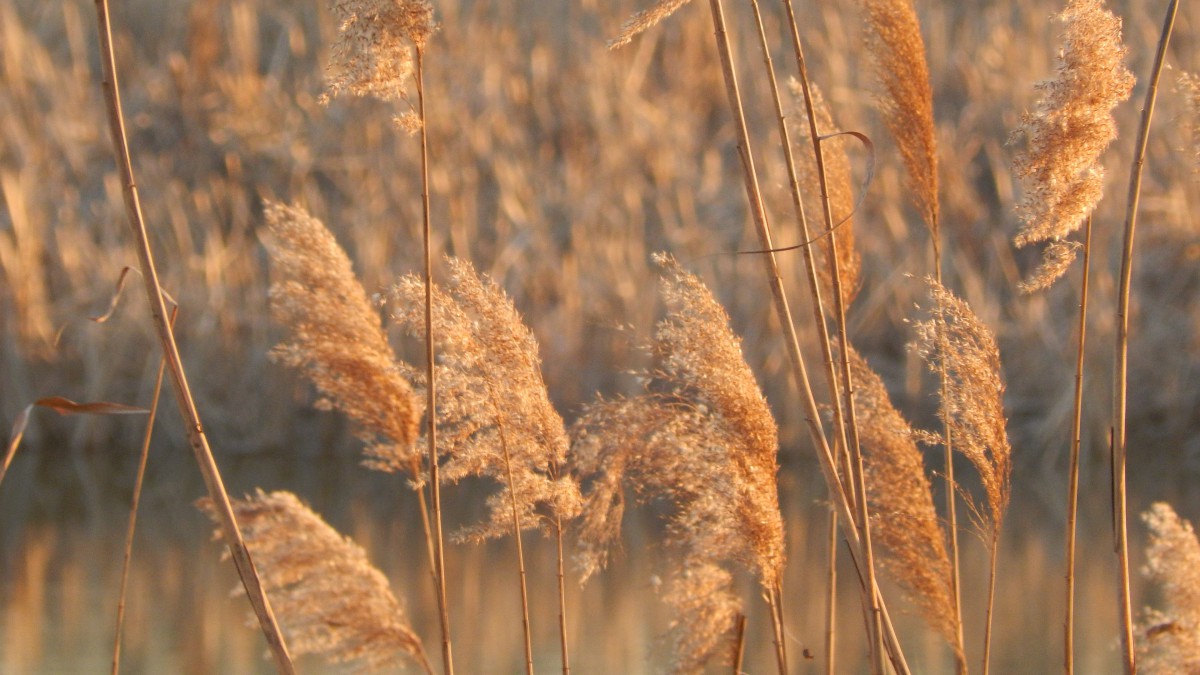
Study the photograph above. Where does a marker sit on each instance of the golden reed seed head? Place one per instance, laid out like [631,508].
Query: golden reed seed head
[644,20]
[335,336]
[900,497]
[702,438]
[972,400]
[494,410]
[1169,640]
[839,187]
[1068,131]
[373,52]
[329,599]
[895,43]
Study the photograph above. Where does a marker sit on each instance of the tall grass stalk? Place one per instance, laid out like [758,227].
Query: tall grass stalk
[1121,356]
[183,397]
[783,309]
[131,528]
[1076,442]
[435,493]
[831,594]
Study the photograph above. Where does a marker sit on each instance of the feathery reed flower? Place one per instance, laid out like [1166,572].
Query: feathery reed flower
[645,20]
[894,40]
[899,494]
[839,186]
[1170,639]
[703,438]
[336,338]
[373,55]
[1068,131]
[494,413]
[972,403]
[329,599]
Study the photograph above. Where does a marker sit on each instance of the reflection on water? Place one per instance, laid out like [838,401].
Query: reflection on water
[60,568]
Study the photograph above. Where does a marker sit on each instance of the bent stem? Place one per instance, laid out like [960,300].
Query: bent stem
[435,493]
[1073,475]
[166,336]
[799,372]
[1121,358]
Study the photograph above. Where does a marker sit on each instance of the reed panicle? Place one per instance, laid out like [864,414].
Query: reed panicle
[704,439]
[336,338]
[894,41]
[330,600]
[840,188]
[1170,638]
[959,346]
[492,401]
[972,403]
[899,494]
[1068,131]
[645,20]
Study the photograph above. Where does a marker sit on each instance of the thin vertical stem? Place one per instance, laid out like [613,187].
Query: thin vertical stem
[1076,441]
[991,602]
[166,337]
[131,528]
[1121,358]
[516,517]
[831,596]
[799,372]
[435,493]
[562,595]
[739,644]
[774,597]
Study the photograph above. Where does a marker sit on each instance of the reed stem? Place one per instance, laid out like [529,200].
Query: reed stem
[783,309]
[991,601]
[435,493]
[1076,441]
[166,337]
[1121,358]
[131,528]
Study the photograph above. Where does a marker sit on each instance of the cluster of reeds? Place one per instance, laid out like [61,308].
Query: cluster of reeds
[701,439]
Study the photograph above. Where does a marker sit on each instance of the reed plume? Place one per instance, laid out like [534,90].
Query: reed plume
[893,38]
[973,403]
[645,20]
[901,501]
[330,600]
[373,54]
[336,338]
[494,412]
[840,190]
[703,438]
[1068,131]
[1170,638]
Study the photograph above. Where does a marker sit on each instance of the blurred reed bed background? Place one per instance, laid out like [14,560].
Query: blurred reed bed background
[560,168]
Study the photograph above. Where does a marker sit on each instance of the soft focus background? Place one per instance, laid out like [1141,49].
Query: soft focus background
[558,167]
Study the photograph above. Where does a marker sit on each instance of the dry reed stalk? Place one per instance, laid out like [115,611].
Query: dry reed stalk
[131,527]
[703,438]
[953,340]
[495,415]
[1169,640]
[893,38]
[1121,355]
[899,492]
[166,336]
[332,601]
[1068,131]
[380,45]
